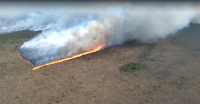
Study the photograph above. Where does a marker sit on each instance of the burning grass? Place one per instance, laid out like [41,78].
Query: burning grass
[133,67]
[72,57]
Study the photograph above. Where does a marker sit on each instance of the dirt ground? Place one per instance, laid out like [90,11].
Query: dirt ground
[173,76]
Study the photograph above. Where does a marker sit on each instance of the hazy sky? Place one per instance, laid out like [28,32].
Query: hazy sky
[10,9]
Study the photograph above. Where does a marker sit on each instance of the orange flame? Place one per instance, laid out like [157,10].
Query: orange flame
[69,58]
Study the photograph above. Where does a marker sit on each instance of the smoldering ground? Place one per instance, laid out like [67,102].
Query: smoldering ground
[66,33]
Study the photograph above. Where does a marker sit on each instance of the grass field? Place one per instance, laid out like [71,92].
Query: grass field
[170,73]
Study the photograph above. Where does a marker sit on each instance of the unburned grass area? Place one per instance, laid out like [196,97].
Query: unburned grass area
[19,35]
[12,41]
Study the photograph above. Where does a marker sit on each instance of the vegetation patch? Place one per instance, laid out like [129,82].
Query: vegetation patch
[18,96]
[147,55]
[151,47]
[132,67]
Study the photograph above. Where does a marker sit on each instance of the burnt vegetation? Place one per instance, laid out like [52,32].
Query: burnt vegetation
[132,67]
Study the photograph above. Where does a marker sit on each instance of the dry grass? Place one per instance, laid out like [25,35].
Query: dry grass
[172,76]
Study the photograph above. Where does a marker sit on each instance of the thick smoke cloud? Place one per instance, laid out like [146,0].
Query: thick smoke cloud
[68,33]
[150,22]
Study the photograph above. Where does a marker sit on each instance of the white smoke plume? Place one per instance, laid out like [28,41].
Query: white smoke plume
[68,33]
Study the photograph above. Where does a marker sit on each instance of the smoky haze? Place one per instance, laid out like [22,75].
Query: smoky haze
[70,30]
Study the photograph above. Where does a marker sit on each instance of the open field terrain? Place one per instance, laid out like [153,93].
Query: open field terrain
[170,74]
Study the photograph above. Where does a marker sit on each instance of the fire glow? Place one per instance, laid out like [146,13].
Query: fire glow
[72,57]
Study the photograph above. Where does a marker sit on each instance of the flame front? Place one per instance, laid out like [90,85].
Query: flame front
[69,58]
